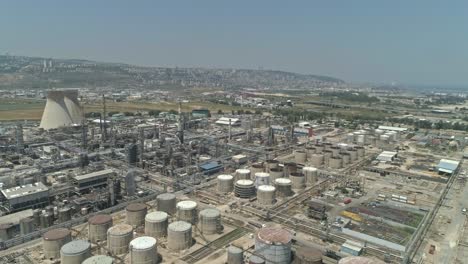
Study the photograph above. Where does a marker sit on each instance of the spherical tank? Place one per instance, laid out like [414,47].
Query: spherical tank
[167,203]
[98,226]
[307,255]
[179,235]
[210,221]
[225,183]
[75,252]
[275,245]
[283,187]
[242,174]
[235,255]
[118,238]
[300,156]
[99,259]
[310,174]
[297,180]
[276,173]
[53,240]
[244,189]
[256,167]
[136,214]
[187,211]
[143,250]
[316,160]
[262,178]
[156,224]
[266,194]
[359,260]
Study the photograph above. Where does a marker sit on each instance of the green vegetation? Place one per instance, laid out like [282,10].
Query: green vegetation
[351,97]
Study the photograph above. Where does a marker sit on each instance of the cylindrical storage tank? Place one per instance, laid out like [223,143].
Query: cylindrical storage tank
[300,156]
[187,211]
[316,160]
[6,231]
[359,260]
[225,183]
[297,180]
[350,137]
[275,245]
[319,148]
[242,174]
[136,214]
[276,173]
[143,250]
[310,174]
[99,259]
[266,194]
[235,255]
[310,151]
[256,259]
[210,221]
[26,225]
[47,220]
[53,240]
[166,202]
[335,151]
[384,138]
[289,168]
[361,139]
[360,152]
[352,155]
[379,131]
[283,187]
[49,210]
[327,154]
[336,163]
[346,158]
[307,255]
[37,217]
[179,235]
[98,226]
[327,145]
[244,189]
[256,167]
[118,238]
[156,224]
[262,178]
[271,164]
[75,252]
[64,214]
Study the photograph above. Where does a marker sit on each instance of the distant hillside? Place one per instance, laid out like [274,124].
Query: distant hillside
[34,72]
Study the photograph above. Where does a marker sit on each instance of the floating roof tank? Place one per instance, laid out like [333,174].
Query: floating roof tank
[98,226]
[187,211]
[210,221]
[166,203]
[75,252]
[53,240]
[156,224]
[274,245]
[136,214]
[99,259]
[179,235]
[62,109]
[143,250]
[118,238]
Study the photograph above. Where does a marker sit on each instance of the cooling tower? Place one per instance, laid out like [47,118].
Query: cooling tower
[62,109]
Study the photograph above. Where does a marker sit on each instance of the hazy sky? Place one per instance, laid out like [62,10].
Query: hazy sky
[408,41]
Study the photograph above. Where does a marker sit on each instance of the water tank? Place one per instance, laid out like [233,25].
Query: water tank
[225,183]
[166,203]
[187,211]
[274,245]
[235,255]
[136,214]
[26,225]
[256,167]
[271,164]
[244,189]
[53,240]
[98,226]
[75,252]
[99,259]
[242,174]
[283,187]
[262,178]
[316,160]
[336,163]
[310,174]
[266,194]
[156,224]
[179,235]
[297,180]
[118,238]
[307,255]
[143,250]
[256,259]
[359,260]
[210,221]
[276,173]
[289,168]
[64,214]
[300,156]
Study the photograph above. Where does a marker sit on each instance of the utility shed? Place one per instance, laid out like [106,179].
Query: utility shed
[27,196]
[352,247]
[447,166]
[387,156]
[211,167]
[97,179]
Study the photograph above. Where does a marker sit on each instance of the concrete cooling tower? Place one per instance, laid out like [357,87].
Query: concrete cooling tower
[62,109]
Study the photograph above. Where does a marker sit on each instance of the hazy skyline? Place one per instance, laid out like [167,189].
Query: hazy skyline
[412,42]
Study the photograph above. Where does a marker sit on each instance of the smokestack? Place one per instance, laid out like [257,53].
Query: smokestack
[62,109]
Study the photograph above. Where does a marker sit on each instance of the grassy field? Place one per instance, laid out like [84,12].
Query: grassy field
[32,109]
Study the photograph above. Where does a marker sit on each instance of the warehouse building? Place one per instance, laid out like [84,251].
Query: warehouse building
[27,196]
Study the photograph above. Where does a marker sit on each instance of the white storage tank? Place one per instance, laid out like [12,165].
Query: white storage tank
[310,174]
[256,167]
[346,158]
[336,163]
[143,250]
[156,224]
[360,152]
[300,156]
[225,183]
[118,238]
[283,187]
[327,154]
[98,226]
[274,244]
[266,194]
[244,189]
[166,202]
[179,235]
[335,151]
[99,259]
[310,151]
[262,178]
[360,139]
[235,255]
[319,148]
[187,211]
[316,160]
[136,214]
[297,180]
[53,240]
[242,174]
[210,221]
[276,173]
[75,252]
[352,154]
